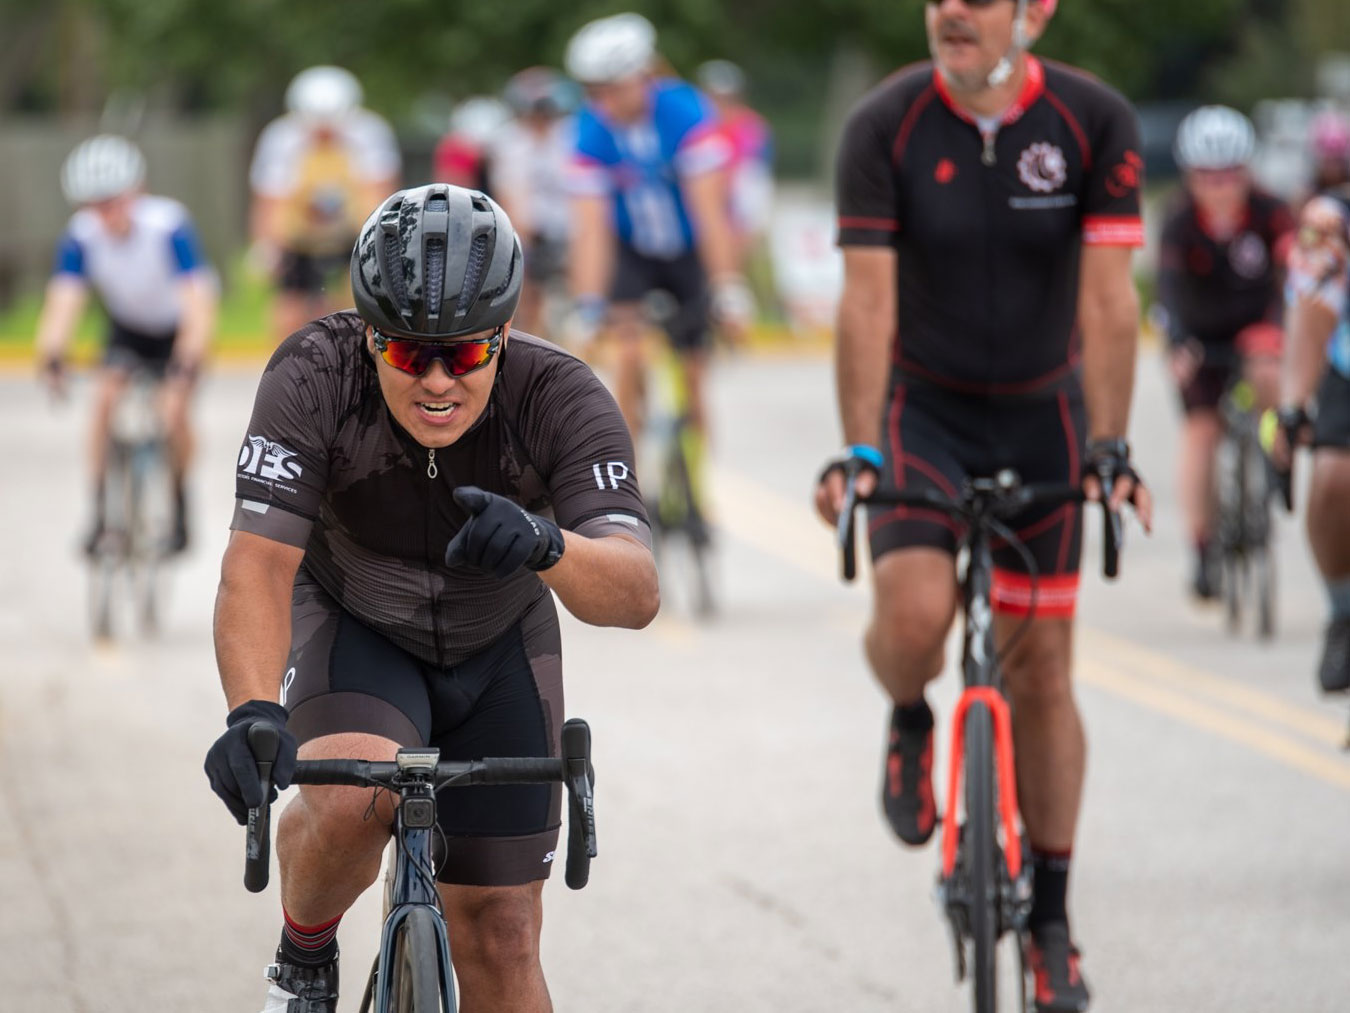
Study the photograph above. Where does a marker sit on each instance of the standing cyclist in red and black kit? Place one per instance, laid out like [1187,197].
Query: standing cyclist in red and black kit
[988,205]
[416,484]
[1221,296]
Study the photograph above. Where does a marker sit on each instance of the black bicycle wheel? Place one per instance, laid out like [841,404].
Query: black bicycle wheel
[415,967]
[981,853]
[1234,572]
[1263,576]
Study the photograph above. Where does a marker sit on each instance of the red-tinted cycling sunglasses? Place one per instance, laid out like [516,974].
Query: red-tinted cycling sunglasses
[458,357]
[968,3]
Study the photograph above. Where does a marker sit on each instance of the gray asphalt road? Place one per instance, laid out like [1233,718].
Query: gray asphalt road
[744,864]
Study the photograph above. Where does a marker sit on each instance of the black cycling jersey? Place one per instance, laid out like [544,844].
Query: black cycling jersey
[326,468]
[1212,288]
[988,220]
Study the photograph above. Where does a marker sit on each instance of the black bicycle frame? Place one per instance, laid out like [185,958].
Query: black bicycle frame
[417,775]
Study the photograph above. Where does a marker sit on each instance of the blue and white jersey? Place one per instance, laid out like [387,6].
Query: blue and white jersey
[136,276]
[642,164]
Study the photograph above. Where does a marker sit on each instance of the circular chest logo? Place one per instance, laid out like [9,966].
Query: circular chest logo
[1248,255]
[1042,167]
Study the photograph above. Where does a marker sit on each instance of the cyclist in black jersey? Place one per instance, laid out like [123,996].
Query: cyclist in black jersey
[1220,301]
[988,206]
[415,481]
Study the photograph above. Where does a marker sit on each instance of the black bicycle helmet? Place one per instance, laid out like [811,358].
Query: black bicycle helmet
[436,262]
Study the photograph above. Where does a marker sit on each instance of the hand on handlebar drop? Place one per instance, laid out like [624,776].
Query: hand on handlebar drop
[231,767]
[831,487]
[53,373]
[1109,461]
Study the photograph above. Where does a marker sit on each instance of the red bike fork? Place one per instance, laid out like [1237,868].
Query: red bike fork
[1004,772]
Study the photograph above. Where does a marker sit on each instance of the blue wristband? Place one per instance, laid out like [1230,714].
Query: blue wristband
[867,454]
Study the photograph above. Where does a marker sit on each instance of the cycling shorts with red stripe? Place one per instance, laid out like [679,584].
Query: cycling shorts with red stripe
[935,438]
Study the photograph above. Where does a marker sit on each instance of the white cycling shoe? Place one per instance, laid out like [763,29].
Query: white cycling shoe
[299,989]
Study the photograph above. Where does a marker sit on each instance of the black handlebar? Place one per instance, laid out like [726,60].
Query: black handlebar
[263,741]
[573,769]
[1002,500]
[579,777]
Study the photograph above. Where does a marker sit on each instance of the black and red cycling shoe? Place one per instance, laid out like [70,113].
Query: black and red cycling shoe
[1053,961]
[907,783]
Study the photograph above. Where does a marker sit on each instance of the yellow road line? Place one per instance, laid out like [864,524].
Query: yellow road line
[1282,749]
[774,524]
[1226,692]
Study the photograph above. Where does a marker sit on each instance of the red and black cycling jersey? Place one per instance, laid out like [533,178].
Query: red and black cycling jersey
[325,467]
[1211,288]
[988,220]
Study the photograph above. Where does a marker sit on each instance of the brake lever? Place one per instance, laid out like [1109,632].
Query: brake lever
[844,530]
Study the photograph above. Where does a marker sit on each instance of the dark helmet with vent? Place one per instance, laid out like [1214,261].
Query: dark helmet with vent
[437,262]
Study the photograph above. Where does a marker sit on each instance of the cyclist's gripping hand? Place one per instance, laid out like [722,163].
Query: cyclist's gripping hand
[53,373]
[733,306]
[860,460]
[1108,462]
[501,536]
[231,768]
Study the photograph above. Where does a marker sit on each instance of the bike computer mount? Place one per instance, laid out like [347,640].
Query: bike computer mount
[418,806]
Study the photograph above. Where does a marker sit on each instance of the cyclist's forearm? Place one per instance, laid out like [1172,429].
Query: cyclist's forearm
[861,360]
[865,329]
[1108,317]
[253,621]
[609,581]
[198,320]
[61,310]
[592,243]
[1309,326]
[264,219]
[707,197]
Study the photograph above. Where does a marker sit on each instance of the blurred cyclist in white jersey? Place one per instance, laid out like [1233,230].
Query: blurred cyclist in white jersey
[317,172]
[141,257]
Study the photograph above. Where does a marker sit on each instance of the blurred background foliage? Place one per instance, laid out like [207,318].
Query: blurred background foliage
[194,81]
[187,56]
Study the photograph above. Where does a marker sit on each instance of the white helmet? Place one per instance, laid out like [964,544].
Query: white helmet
[721,77]
[1215,137]
[478,118]
[101,168]
[323,93]
[611,49]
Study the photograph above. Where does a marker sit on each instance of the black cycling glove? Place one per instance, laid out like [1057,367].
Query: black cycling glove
[501,536]
[1109,460]
[230,766]
[852,460]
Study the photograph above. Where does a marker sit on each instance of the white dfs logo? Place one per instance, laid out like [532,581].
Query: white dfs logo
[262,457]
[1042,167]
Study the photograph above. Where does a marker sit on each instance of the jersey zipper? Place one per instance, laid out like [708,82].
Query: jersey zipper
[432,472]
[989,156]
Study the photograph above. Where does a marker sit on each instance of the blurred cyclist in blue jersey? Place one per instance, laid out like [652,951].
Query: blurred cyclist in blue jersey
[649,208]
[140,255]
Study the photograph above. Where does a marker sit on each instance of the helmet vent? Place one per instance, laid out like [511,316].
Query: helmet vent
[395,283]
[473,273]
[437,202]
[435,273]
[480,203]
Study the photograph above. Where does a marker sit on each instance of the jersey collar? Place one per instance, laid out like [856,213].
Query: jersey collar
[1032,89]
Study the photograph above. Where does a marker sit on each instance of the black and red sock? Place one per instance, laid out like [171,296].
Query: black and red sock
[310,945]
